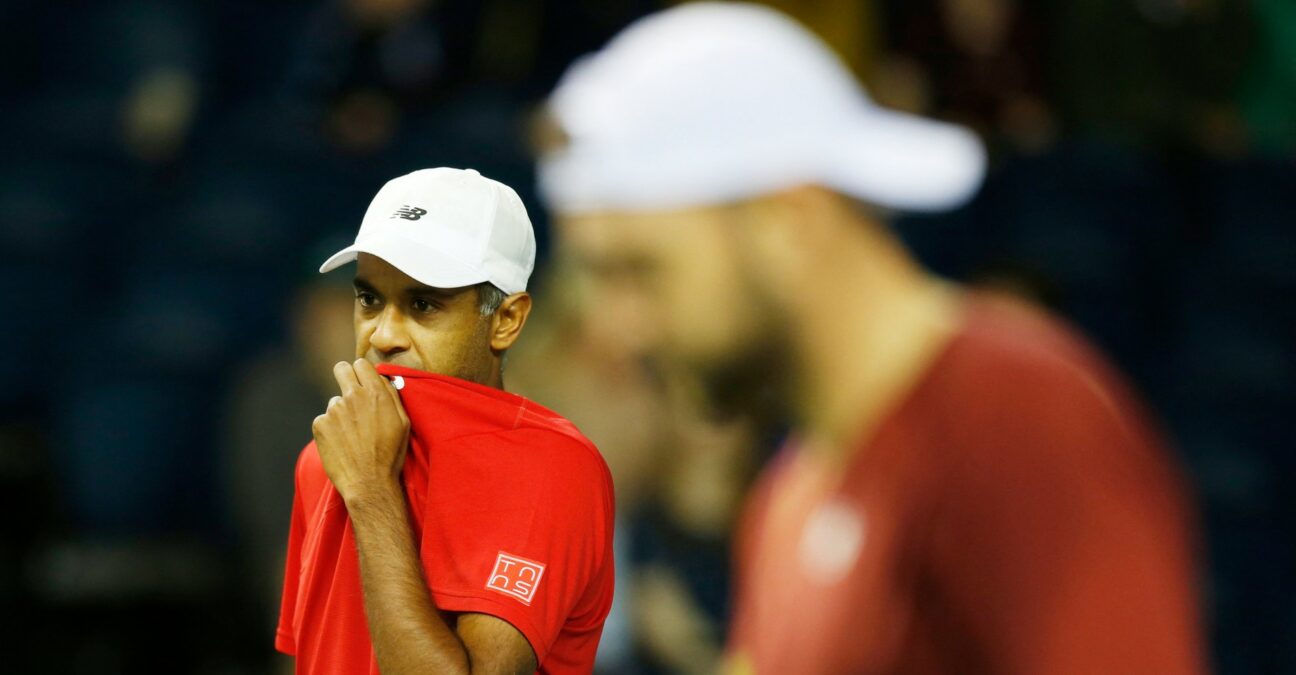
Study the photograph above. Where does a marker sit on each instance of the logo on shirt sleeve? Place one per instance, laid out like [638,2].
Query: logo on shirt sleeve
[515,576]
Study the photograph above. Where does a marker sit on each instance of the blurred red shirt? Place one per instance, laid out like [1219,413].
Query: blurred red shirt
[511,512]
[1015,513]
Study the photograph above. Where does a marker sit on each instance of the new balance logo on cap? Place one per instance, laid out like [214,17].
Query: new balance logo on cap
[409,213]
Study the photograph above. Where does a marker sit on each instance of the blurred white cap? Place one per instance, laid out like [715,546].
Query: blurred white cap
[447,228]
[712,102]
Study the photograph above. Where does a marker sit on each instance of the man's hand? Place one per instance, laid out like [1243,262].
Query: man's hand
[362,440]
[363,436]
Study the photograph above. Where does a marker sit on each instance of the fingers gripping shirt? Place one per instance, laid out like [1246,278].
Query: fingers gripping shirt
[511,511]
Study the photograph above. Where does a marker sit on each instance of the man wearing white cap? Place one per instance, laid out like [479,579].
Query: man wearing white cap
[969,487]
[441,524]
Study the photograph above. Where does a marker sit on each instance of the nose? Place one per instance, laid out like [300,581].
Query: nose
[389,336]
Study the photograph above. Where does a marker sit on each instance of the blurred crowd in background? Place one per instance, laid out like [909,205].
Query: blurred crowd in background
[174,172]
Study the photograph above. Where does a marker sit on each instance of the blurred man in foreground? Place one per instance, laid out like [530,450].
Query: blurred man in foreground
[440,523]
[969,486]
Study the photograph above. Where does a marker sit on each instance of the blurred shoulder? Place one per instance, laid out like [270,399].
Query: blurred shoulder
[1020,380]
[1007,344]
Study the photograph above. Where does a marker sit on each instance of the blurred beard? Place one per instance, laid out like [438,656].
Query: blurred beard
[749,383]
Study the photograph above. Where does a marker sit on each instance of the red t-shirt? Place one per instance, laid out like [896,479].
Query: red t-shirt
[511,512]
[1015,513]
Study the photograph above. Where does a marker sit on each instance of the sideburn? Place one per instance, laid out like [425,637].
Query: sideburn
[482,365]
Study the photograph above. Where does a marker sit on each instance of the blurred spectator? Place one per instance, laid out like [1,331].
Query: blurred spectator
[1153,72]
[362,66]
[267,421]
[977,62]
[366,67]
[121,79]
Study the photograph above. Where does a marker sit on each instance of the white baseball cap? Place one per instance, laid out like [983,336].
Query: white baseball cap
[447,228]
[712,102]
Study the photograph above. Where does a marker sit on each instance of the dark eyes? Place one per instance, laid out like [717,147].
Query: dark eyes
[418,305]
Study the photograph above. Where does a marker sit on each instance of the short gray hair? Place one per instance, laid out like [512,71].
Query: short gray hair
[489,298]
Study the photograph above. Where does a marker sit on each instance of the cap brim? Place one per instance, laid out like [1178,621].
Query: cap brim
[907,163]
[423,264]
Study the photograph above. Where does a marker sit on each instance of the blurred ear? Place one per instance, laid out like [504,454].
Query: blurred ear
[508,320]
[785,234]
[816,215]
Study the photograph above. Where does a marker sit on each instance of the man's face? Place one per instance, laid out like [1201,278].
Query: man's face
[673,287]
[403,322]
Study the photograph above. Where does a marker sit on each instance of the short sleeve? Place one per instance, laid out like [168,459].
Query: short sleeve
[1063,542]
[523,532]
[285,640]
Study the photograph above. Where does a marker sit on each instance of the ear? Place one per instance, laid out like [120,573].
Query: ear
[785,234]
[815,214]
[508,320]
